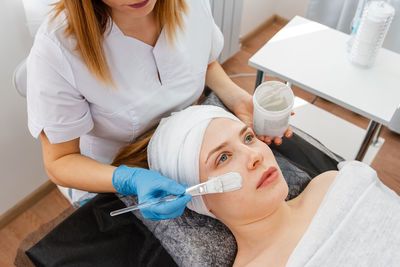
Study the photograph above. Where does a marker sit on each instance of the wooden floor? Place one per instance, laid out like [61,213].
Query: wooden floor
[42,212]
[386,163]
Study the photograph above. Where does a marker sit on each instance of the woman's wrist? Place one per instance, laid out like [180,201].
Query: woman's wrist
[123,181]
[241,100]
[234,97]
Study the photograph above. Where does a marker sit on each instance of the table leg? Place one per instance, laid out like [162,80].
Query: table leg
[259,78]
[376,135]
[315,99]
[372,127]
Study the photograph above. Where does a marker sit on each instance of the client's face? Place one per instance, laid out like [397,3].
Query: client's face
[230,146]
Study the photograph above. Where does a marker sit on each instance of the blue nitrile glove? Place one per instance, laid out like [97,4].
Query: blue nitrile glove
[148,185]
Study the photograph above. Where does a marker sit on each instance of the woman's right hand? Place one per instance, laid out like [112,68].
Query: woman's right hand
[149,185]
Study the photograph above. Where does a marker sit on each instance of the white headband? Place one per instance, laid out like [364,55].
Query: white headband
[174,149]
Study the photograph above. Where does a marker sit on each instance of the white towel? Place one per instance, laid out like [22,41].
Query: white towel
[357,224]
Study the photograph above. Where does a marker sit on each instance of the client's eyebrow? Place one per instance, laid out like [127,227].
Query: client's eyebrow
[242,131]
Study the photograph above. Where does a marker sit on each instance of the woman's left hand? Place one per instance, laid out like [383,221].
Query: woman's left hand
[235,98]
[244,111]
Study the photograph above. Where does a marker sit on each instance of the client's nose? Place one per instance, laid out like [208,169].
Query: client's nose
[255,158]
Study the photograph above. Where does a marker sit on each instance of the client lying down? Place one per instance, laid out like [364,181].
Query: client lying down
[345,218]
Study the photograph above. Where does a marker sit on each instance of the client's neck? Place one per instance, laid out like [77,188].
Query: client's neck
[259,235]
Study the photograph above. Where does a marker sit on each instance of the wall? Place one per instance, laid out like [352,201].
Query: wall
[20,155]
[255,12]
[290,8]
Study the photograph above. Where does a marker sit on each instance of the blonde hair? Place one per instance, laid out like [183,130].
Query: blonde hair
[87,22]
[135,154]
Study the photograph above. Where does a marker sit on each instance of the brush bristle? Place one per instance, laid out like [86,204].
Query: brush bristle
[227,182]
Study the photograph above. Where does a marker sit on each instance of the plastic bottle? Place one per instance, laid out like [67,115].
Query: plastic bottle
[370,33]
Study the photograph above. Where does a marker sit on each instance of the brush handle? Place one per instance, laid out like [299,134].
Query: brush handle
[144,205]
[196,190]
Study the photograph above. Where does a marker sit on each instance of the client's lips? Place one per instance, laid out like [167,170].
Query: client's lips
[139,5]
[268,177]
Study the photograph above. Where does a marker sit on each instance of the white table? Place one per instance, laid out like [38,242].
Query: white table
[314,57]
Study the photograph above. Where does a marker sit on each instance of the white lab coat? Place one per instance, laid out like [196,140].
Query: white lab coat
[66,101]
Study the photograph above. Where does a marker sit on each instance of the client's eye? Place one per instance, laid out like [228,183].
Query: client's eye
[222,158]
[249,138]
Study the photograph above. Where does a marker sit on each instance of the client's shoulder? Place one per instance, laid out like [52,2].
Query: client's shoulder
[323,181]
[315,191]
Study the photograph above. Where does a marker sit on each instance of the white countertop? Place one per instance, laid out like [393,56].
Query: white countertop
[314,57]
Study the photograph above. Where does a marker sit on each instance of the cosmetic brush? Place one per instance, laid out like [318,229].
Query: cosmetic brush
[224,183]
